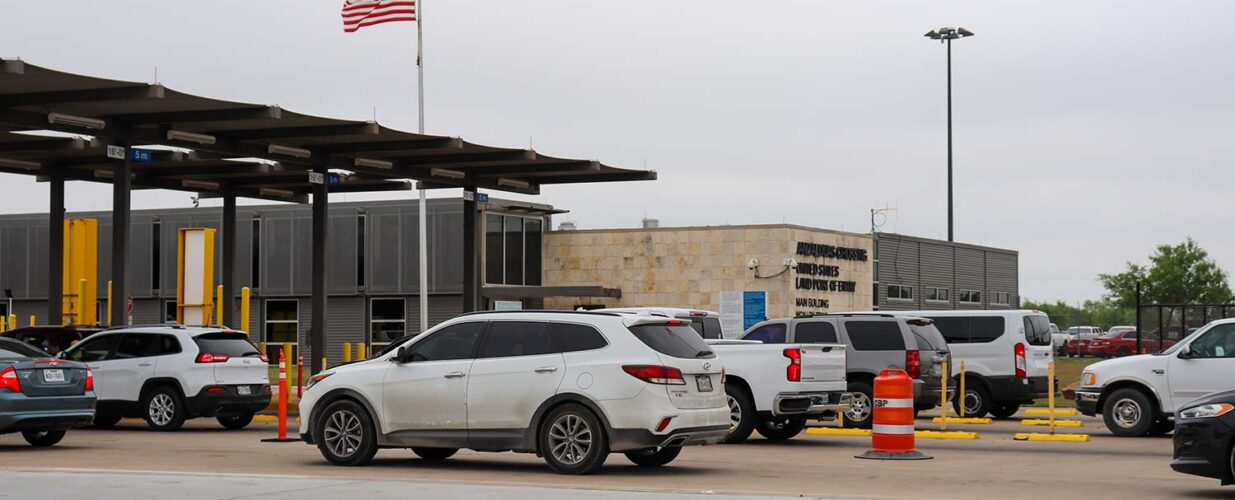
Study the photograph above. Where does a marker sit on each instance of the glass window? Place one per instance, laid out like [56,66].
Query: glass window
[900,292]
[565,337]
[514,250]
[970,296]
[532,229]
[1218,342]
[156,236]
[927,335]
[938,294]
[137,345]
[1037,330]
[94,349]
[168,345]
[875,335]
[814,332]
[450,343]
[679,341]
[1001,298]
[954,330]
[511,338]
[360,255]
[494,257]
[12,349]
[169,311]
[387,320]
[773,333]
[988,328]
[233,344]
[707,327]
[281,320]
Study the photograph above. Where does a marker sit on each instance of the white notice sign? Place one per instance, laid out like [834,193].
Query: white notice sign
[731,314]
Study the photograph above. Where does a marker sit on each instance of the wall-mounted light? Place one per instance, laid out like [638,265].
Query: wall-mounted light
[22,164]
[180,135]
[75,121]
[450,174]
[513,183]
[207,185]
[276,149]
[372,163]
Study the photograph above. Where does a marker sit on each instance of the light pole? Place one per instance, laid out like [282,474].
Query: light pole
[945,36]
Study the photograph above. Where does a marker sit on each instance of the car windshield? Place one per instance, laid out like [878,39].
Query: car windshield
[234,344]
[1180,345]
[18,350]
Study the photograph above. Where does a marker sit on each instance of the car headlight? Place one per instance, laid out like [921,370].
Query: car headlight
[1089,379]
[1206,411]
[317,378]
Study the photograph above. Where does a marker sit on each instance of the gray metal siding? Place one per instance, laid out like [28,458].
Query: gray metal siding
[923,263]
[15,264]
[971,274]
[898,265]
[937,267]
[346,324]
[1002,276]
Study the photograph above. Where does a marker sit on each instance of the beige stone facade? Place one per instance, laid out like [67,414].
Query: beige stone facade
[691,266]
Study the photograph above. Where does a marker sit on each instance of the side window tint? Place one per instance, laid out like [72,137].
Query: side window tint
[95,349]
[453,342]
[1218,342]
[168,345]
[814,332]
[768,334]
[510,338]
[137,345]
[955,330]
[565,337]
[875,335]
[986,329]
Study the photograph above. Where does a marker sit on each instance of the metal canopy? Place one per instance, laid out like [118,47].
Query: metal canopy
[279,147]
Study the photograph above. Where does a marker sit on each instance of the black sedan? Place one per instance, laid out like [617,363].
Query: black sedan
[1205,438]
[40,396]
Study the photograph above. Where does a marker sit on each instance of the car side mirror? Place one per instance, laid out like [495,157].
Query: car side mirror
[62,355]
[1186,352]
[400,355]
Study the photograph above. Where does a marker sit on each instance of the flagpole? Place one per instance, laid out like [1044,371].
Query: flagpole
[424,244]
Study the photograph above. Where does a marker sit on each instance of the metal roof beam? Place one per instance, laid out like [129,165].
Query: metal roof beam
[438,158]
[123,93]
[582,167]
[438,183]
[44,144]
[398,145]
[366,128]
[598,177]
[210,115]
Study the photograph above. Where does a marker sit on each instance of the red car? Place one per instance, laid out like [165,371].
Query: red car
[1121,344]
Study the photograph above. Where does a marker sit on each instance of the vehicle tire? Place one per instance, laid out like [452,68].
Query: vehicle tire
[1231,472]
[345,435]
[434,453]
[1161,427]
[781,429]
[1123,351]
[164,409]
[1004,411]
[105,422]
[862,408]
[42,439]
[1128,413]
[742,414]
[572,440]
[235,422]
[977,401]
[653,457]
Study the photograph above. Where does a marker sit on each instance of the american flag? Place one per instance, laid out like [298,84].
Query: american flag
[360,13]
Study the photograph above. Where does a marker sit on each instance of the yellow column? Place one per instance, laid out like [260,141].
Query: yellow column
[347,352]
[360,354]
[218,307]
[82,285]
[108,302]
[12,321]
[287,353]
[244,309]
[31,320]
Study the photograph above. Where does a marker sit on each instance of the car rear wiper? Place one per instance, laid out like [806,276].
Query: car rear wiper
[702,354]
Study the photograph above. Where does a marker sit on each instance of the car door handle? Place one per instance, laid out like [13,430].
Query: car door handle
[546,369]
[454,375]
[145,364]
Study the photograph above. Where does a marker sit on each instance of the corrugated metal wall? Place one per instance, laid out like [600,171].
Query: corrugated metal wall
[924,263]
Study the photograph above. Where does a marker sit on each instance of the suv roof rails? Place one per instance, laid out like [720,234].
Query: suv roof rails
[150,325]
[845,315]
[543,311]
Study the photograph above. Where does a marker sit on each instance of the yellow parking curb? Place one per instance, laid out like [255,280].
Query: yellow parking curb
[966,420]
[1073,438]
[272,418]
[832,431]
[1044,412]
[1058,423]
[945,435]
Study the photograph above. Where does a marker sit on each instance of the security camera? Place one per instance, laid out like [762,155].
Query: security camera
[791,262]
[752,264]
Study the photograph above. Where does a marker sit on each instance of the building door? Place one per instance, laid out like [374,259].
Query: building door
[282,327]
[387,322]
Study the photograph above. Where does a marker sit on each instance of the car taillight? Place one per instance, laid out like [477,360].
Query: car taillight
[793,372]
[264,358]
[1019,358]
[9,380]
[913,363]
[89,380]
[209,357]
[654,374]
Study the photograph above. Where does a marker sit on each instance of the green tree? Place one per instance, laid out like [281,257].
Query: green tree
[1177,274]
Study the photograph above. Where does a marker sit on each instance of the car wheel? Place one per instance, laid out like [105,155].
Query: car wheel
[1231,477]
[105,422]
[862,407]
[741,414]
[572,440]
[1128,413]
[42,439]
[781,429]
[1004,411]
[164,409]
[652,457]
[434,453]
[977,401]
[235,422]
[1123,351]
[344,434]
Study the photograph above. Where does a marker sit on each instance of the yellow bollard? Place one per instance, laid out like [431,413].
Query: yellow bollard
[108,302]
[347,352]
[1050,389]
[262,346]
[244,309]
[218,307]
[325,363]
[31,320]
[287,355]
[360,351]
[961,394]
[4,323]
[12,322]
[943,397]
[82,284]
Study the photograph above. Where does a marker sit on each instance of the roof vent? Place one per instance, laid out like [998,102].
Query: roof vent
[650,223]
[567,226]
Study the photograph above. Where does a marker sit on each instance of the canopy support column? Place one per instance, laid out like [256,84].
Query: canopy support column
[120,240]
[317,330]
[471,255]
[227,301]
[55,256]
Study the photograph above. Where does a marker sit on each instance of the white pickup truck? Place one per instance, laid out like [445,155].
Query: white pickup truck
[775,388]
[1139,395]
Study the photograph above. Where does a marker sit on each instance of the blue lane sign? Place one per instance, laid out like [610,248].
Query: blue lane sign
[482,198]
[754,308]
[141,155]
[333,179]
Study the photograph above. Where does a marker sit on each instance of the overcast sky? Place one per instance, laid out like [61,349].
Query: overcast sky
[1086,132]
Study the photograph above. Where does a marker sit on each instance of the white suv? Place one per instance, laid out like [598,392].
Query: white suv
[569,386]
[169,373]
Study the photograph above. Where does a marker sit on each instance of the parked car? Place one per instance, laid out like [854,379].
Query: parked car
[1079,338]
[1123,343]
[707,323]
[52,339]
[169,373]
[42,397]
[1140,395]
[873,343]
[1205,438]
[569,386]
[1006,355]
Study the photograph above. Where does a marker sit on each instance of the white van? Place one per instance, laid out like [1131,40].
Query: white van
[1006,354]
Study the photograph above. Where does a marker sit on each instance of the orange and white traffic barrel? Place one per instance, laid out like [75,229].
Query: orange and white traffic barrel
[892,429]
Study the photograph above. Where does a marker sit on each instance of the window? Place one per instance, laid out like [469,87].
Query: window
[875,335]
[233,344]
[970,297]
[1037,330]
[1001,298]
[675,341]
[156,237]
[360,255]
[282,326]
[708,328]
[1130,335]
[137,345]
[768,334]
[510,338]
[1218,342]
[934,294]
[900,292]
[532,229]
[513,250]
[565,337]
[927,335]
[814,332]
[168,345]
[169,311]
[493,249]
[255,270]
[11,349]
[94,349]
[969,330]
[386,320]
[450,343]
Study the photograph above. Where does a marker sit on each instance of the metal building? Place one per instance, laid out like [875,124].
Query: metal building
[914,273]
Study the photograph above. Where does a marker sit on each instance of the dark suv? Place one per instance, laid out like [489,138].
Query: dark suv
[52,339]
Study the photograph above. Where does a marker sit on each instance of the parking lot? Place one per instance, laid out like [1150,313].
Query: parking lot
[812,466]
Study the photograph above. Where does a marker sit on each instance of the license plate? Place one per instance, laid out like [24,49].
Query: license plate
[704,382]
[53,376]
[243,390]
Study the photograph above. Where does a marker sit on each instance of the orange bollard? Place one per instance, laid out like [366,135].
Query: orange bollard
[892,429]
[283,390]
